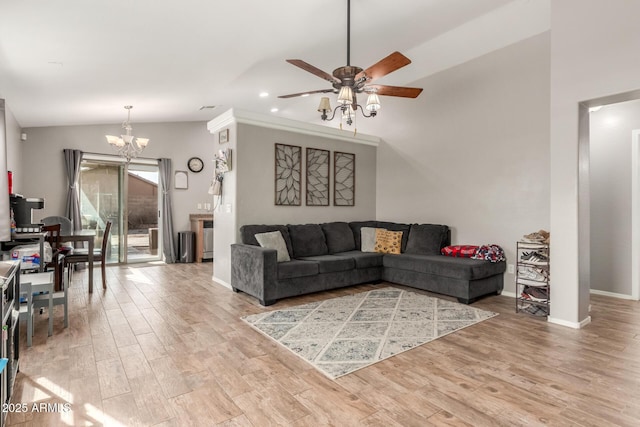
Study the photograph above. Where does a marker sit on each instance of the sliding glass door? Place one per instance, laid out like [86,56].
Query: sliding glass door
[142,212]
[127,195]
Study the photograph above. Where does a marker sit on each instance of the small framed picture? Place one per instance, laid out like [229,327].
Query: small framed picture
[223,136]
[181,180]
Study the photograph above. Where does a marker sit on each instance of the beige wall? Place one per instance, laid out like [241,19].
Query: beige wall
[256,183]
[43,167]
[476,155]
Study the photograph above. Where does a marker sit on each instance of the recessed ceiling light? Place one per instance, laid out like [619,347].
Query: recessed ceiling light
[274,110]
[305,94]
[264,94]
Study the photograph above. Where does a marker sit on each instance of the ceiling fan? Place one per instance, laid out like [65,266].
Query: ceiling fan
[348,81]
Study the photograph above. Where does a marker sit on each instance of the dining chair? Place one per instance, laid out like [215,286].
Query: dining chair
[66,226]
[99,255]
[58,253]
[32,286]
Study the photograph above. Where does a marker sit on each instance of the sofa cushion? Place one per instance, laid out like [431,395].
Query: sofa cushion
[274,240]
[338,236]
[332,263]
[356,226]
[387,242]
[393,226]
[248,234]
[307,240]
[296,268]
[426,239]
[364,259]
[440,265]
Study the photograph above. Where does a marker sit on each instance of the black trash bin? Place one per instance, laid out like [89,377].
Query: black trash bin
[186,246]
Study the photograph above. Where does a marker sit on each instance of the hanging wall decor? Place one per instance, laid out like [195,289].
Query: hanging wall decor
[344,179]
[288,174]
[317,177]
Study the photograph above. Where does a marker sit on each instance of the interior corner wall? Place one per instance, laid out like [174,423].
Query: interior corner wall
[42,168]
[472,151]
[594,49]
[610,151]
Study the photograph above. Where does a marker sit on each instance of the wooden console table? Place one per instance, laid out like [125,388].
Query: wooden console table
[198,226]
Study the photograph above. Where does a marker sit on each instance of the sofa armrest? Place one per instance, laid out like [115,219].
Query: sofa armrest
[254,270]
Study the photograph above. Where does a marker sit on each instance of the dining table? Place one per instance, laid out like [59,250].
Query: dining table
[83,235]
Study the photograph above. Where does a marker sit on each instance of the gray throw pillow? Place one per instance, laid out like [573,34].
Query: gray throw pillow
[368,239]
[274,240]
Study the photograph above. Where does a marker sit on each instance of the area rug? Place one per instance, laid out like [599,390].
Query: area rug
[341,335]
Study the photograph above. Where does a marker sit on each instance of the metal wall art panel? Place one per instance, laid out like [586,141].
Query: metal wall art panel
[317,177]
[344,179]
[288,174]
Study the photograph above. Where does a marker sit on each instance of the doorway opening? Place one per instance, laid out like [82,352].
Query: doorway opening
[127,195]
[613,195]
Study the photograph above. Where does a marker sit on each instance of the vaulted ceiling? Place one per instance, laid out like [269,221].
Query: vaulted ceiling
[72,62]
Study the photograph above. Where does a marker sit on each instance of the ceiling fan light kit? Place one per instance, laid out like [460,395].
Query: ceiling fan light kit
[348,81]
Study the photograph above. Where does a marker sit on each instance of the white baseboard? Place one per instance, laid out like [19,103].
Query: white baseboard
[613,294]
[508,294]
[219,281]
[574,325]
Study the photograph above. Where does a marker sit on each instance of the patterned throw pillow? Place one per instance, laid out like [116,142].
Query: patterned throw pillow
[460,251]
[388,242]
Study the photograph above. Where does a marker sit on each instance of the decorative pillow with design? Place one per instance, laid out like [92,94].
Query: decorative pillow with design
[460,251]
[388,242]
[274,240]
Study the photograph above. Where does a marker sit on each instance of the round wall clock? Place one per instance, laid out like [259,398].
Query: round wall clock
[195,164]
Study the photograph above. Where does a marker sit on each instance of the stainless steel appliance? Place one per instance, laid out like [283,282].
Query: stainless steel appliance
[207,237]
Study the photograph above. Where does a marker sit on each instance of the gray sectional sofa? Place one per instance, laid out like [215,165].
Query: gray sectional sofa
[328,256]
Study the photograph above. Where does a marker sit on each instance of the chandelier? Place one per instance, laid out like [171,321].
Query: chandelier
[127,145]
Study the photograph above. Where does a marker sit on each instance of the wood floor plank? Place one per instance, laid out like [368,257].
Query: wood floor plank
[147,352]
[113,380]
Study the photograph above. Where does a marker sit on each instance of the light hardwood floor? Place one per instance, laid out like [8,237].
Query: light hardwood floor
[165,346]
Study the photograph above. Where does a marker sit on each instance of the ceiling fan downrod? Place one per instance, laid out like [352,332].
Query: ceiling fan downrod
[348,33]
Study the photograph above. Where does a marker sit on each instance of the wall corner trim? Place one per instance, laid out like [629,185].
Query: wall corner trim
[233,115]
[219,281]
[613,295]
[568,324]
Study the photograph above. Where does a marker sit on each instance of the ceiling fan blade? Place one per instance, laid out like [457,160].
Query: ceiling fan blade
[293,95]
[405,92]
[385,66]
[313,70]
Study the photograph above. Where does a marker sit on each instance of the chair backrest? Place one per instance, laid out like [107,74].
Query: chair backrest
[105,240]
[53,235]
[66,226]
